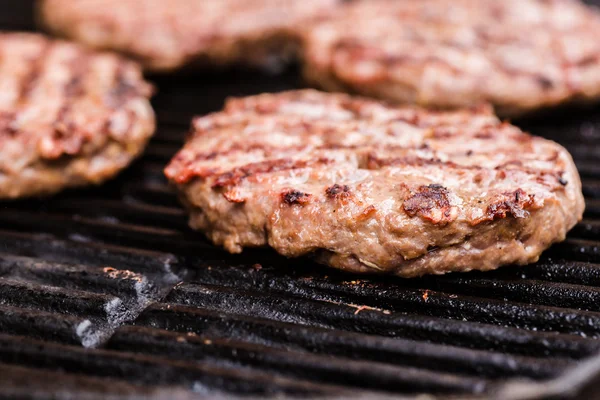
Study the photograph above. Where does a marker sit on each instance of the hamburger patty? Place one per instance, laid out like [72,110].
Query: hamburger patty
[368,187]
[68,116]
[519,55]
[165,35]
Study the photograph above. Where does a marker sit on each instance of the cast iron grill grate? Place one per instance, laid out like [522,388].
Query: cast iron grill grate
[105,291]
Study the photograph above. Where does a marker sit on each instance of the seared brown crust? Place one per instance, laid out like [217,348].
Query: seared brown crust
[369,187]
[519,55]
[431,202]
[166,35]
[68,116]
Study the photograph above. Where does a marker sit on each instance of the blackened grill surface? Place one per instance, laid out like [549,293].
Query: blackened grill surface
[105,292]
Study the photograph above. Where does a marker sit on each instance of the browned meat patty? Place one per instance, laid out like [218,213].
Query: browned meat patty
[368,187]
[166,35]
[68,116]
[519,55]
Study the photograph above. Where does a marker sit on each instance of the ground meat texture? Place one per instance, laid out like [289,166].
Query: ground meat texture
[168,35]
[68,116]
[368,187]
[520,55]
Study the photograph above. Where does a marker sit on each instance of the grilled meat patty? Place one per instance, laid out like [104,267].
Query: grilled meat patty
[68,116]
[519,55]
[368,187]
[166,35]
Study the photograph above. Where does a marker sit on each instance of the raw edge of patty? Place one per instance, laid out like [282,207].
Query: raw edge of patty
[185,46]
[402,215]
[444,79]
[94,134]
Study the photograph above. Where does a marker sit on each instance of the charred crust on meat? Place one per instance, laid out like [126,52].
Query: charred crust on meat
[7,127]
[337,191]
[486,134]
[436,186]
[292,196]
[432,203]
[545,83]
[511,203]
[562,180]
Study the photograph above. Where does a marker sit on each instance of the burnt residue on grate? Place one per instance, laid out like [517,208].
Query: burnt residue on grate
[105,292]
[57,289]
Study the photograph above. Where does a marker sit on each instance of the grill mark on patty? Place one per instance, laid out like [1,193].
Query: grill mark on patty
[75,88]
[6,124]
[236,175]
[356,106]
[241,148]
[432,203]
[122,90]
[32,79]
[357,50]
[544,177]
[67,138]
[189,166]
[544,83]
[269,150]
[374,162]
[26,86]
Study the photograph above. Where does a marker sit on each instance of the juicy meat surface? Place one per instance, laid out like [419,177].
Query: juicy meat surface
[165,35]
[68,116]
[519,55]
[368,187]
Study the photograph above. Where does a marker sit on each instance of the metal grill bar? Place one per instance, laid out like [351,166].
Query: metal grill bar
[151,370]
[345,317]
[298,364]
[414,297]
[354,345]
